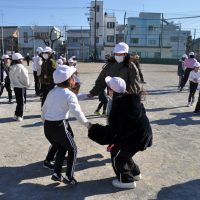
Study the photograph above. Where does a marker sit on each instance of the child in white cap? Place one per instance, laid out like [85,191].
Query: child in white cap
[19,80]
[55,111]
[129,131]
[193,81]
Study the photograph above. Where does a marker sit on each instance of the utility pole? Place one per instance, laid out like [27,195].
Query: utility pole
[95,30]
[161,35]
[124,26]
[2,37]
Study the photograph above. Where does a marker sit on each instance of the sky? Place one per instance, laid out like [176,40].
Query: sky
[73,13]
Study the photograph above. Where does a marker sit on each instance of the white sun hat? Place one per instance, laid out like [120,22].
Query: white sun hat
[63,73]
[17,56]
[117,84]
[121,48]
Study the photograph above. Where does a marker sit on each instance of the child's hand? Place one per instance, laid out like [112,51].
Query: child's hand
[109,147]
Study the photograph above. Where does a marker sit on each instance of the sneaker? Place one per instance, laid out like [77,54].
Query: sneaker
[71,181]
[138,177]
[56,177]
[48,165]
[116,183]
[15,117]
[10,101]
[20,119]
[97,113]
[188,105]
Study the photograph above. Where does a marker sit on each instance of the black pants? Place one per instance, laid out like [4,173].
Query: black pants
[8,88]
[197,108]
[193,88]
[185,77]
[59,135]
[123,165]
[45,90]
[20,94]
[37,85]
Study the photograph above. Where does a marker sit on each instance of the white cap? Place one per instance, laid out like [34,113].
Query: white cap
[60,61]
[184,56]
[191,54]
[70,60]
[117,84]
[17,56]
[47,50]
[39,50]
[63,73]
[196,64]
[5,57]
[121,48]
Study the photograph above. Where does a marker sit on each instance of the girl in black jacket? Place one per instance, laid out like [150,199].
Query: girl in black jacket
[129,130]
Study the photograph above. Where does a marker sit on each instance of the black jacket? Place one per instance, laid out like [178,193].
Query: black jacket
[128,128]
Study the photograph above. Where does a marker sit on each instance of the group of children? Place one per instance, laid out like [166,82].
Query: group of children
[188,68]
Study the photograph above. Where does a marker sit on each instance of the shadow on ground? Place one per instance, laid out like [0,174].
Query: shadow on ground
[179,119]
[15,182]
[185,191]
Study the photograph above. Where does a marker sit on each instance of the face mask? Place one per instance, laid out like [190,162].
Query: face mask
[45,56]
[119,59]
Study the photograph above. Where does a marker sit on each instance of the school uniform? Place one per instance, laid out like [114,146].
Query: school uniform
[55,112]
[193,85]
[129,130]
[19,80]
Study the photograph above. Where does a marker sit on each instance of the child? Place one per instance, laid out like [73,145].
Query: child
[193,81]
[19,80]
[129,130]
[103,102]
[55,112]
[181,68]
[4,77]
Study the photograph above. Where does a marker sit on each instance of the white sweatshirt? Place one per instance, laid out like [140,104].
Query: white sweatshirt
[58,104]
[37,62]
[194,75]
[19,76]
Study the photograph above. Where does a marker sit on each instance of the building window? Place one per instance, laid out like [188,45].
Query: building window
[75,40]
[152,42]
[134,40]
[97,25]
[25,37]
[97,39]
[110,38]
[133,27]
[97,8]
[174,39]
[110,24]
[151,28]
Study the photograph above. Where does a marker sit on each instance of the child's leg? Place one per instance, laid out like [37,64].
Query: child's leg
[197,108]
[51,153]
[134,167]
[121,167]
[99,107]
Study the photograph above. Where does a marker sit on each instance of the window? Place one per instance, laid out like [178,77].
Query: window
[97,39]
[174,39]
[134,40]
[152,42]
[25,37]
[110,38]
[110,24]
[97,8]
[75,39]
[97,25]
[133,27]
[151,28]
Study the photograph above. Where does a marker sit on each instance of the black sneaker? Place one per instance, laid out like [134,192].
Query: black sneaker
[71,181]
[56,177]
[48,165]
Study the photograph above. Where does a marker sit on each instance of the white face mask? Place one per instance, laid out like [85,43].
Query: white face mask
[119,59]
[45,56]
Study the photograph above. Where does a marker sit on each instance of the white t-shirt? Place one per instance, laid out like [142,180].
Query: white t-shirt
[58,104]
[194,75]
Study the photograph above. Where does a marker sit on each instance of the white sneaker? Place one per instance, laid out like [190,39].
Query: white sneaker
[116,183]
[15,117]
[19,119]
[188,105]
[138,177]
